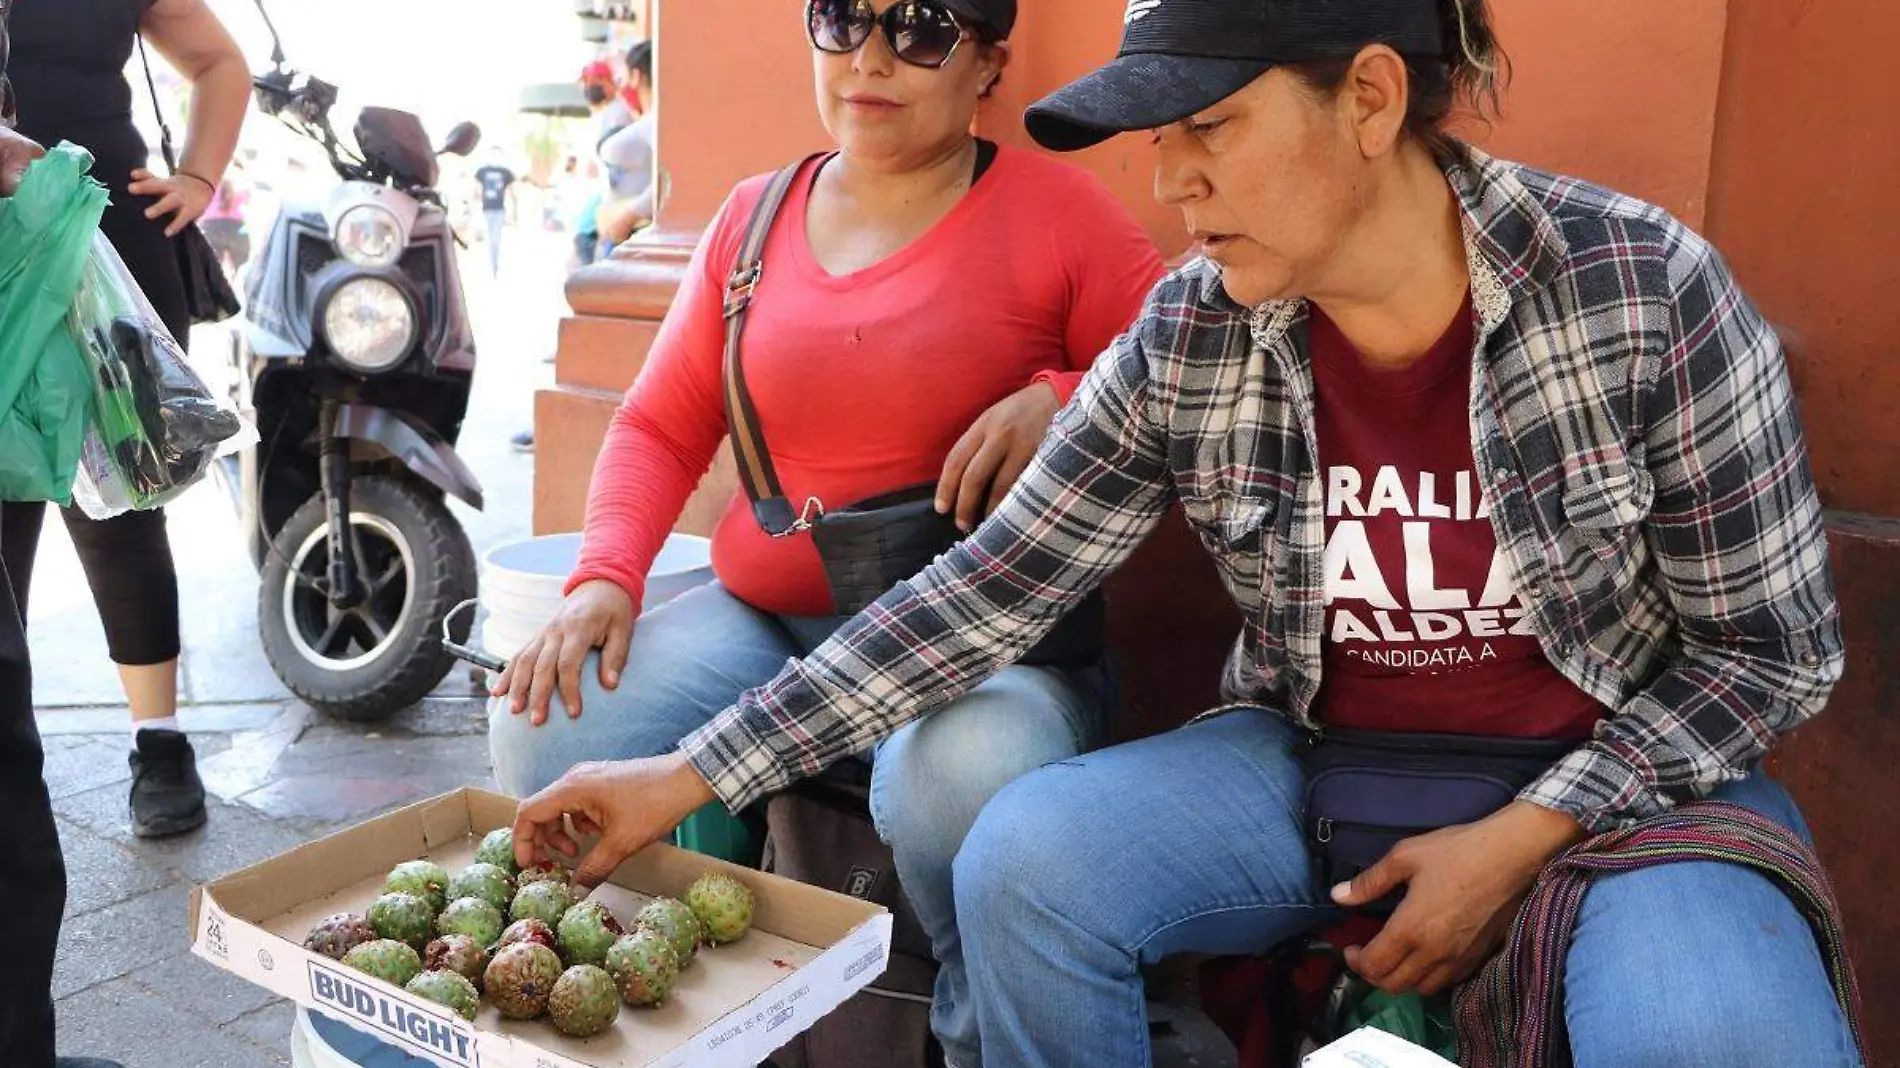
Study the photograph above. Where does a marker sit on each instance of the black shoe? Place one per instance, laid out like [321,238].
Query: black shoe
[167,795]
[523,442]
[85,1062]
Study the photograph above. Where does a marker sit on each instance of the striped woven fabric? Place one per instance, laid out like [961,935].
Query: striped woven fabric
[1512,1014]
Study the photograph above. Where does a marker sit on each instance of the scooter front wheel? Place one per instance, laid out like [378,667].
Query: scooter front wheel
[373,659]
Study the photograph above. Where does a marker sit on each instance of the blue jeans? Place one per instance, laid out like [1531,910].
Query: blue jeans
[1079,873]
[497,220]
[692,658]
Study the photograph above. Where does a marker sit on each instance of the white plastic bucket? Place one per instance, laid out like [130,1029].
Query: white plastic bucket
[319,1042]
[522,581]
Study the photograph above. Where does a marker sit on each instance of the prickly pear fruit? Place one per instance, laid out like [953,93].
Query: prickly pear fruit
[456,953]
[529,930]
[485,881]
[723,904]
[544,901]
[546,871]
[391,961]
[644,967]
[473,917]
[584,1002]
[498,848]
[403,917]
[586,932]
[423,878]
[333,936]
[520,978]
[669,917]
[447,988]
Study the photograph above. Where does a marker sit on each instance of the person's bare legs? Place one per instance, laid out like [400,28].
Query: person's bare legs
[128,564]
[151,690]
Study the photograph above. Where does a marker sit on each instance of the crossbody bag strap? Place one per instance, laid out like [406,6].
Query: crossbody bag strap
[164,128]
[773,512]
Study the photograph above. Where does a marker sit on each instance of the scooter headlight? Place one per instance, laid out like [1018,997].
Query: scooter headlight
[369,324]
[369,235]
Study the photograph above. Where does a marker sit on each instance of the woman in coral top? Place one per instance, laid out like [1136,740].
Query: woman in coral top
[929,301]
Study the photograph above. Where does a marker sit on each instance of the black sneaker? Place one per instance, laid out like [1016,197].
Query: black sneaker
[523,442]
[85,1062]
[167,795]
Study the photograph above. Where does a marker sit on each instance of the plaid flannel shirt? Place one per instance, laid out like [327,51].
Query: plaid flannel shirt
[1632,421]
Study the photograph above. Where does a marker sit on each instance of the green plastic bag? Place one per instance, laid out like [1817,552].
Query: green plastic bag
[46,230]
[1424,1022]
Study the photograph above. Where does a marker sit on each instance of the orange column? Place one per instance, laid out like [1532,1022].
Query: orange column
[733,98]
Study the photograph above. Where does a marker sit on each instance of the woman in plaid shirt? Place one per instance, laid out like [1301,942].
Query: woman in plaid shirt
[1487,450]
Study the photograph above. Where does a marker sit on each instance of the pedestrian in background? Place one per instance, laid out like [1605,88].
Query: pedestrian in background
[497,187]
[630,154]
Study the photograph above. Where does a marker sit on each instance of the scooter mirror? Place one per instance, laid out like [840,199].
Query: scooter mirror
[462,139]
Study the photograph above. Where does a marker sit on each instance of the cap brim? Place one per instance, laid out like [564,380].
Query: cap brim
[1142,91]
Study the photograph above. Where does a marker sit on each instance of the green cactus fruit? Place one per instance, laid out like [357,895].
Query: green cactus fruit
[456,953]
[520,978]
[586,932]
[391,961]
[544,901]
[403,917]
[498,848]
[584,1002]
[473,917]
[485,881]
[723,904]
[546,871]
[423,878]
[333,936]
[447,988]
[669,917]
[644,967]
[529,930]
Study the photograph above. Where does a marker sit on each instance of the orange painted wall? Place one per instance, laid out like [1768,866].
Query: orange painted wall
[1618,91]
[1807,165]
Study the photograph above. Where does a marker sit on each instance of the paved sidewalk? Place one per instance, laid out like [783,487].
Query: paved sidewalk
[126,984]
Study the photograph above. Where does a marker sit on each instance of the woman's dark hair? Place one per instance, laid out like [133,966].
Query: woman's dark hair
[640,58]
[1474,71]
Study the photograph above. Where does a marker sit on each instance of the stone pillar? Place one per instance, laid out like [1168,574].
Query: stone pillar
[733,98]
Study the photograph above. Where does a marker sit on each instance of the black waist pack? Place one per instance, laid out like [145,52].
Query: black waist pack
[1366,791]
[873,544]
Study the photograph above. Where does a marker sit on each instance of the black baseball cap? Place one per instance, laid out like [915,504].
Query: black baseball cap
[1179,57]
[998,15]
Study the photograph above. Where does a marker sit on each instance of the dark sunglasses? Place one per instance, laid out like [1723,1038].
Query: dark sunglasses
[923,33]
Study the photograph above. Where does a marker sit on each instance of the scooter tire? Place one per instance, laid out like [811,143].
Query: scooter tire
[412,662]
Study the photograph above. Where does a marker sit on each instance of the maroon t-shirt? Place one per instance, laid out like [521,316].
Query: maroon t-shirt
[1424,629]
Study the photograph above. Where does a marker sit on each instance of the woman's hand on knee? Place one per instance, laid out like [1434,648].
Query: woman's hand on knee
[986,461]
[598,615]
[1464,885]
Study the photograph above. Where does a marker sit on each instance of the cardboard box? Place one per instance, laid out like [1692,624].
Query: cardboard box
[1370,1047]
[808,950]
